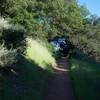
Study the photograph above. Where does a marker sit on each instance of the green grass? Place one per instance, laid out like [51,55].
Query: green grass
[30,80]
[86,77]
[39,53]
[29,83]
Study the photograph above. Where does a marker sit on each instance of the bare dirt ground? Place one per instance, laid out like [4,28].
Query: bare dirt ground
[59,85]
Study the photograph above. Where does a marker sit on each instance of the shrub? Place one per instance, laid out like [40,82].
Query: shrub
[14,36]
[37,52]
[7,57]
[4,24]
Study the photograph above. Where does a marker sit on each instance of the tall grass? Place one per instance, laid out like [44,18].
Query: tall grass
[37,52]
[32,76]
[7,57]
[86,77]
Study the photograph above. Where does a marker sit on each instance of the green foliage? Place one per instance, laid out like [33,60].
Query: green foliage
[38,53]
[7,57]
[14,36]
[47,19]
[56,16]
[29,83]
[4,24]
[44,19]
[85,77]
[84,11]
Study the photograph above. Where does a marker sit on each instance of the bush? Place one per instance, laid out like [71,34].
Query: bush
[4,24]
[38,52]
[14,36]
[7,57]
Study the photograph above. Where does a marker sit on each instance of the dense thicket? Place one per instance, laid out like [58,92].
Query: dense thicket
[46,19]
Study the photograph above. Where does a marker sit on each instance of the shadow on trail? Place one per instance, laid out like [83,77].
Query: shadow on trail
[59,85]
[28,84]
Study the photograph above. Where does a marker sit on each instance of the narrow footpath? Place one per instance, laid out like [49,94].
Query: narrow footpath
[59,85]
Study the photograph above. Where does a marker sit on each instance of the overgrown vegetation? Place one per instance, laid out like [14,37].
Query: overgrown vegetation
[85,77]
[41,20]
[7,57]
[29,77]
[37,52]
[47,19]
[29,82]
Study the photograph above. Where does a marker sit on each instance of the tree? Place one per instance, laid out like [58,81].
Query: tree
[47,19]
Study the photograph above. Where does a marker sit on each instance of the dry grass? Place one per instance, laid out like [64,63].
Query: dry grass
[37,52]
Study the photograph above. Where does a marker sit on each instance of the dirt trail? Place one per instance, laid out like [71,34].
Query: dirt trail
[60,86]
